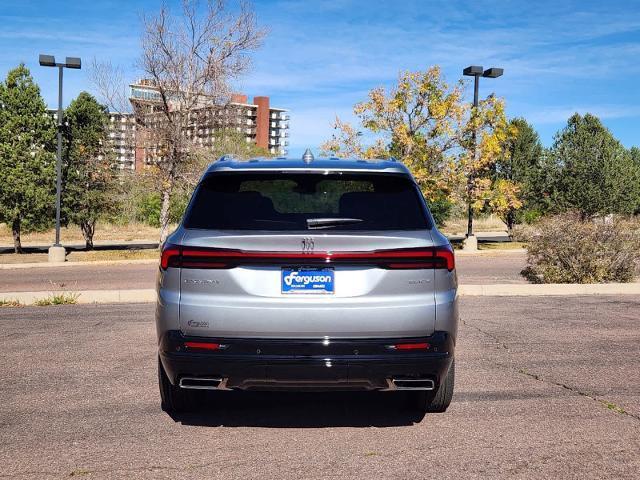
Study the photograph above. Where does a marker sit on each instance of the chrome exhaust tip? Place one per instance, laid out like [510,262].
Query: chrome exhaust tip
[412,384]
[200,383]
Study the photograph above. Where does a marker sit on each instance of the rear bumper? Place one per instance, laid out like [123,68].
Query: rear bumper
[267,364]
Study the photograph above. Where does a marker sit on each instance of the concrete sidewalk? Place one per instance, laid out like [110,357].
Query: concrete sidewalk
[133,261]
[148,295]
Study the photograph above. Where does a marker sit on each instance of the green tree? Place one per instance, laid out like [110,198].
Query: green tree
[27,161]
[88,169]
[634,153]
[594,174]
[521,163]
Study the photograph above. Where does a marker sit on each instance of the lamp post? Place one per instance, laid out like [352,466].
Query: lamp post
[57,252]
[476,72]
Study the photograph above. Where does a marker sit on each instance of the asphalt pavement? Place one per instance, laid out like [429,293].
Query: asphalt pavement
[499,267]
[546,388]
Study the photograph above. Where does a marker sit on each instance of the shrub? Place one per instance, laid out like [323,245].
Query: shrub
[565,249]
[530,216]
[148,209]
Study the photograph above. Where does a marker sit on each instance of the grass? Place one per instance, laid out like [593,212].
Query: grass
[613,406]
[104,232]
[80,472]
[64,298]
[458,226]
[95,255]
[501,245]
[5,302]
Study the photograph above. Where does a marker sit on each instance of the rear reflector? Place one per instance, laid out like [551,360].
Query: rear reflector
[406,258]
[204,346]
[410,346]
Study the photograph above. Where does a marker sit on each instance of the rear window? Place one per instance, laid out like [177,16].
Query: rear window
[304,201]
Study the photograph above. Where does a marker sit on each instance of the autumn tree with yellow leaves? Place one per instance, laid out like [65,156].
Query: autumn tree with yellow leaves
[424,122]
[483,140]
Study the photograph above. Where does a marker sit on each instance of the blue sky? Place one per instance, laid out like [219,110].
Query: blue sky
[321,57]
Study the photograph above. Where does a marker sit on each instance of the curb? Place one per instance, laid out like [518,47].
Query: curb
[139,261]
[548,289]
[493,251]
[497,290]
[147,295]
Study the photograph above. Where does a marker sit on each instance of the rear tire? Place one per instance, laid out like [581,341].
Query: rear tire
[174,399]
[439,401]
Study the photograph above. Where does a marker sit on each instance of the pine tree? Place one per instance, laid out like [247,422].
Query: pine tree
[88,170]
[522,164]
[27,161]
[595,174]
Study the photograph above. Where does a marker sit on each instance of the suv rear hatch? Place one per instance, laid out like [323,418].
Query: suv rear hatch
[307,255]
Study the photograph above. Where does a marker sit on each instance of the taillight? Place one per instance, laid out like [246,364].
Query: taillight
[170,256]
[421,258]
[406,258]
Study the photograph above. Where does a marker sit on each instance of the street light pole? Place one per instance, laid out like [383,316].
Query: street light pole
[476,72]
[57,252]
[59,158]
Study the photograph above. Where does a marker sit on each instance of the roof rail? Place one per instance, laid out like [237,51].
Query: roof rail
[227,157]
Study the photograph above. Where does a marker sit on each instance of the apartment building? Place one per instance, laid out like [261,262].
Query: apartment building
[121,138]
[257,121]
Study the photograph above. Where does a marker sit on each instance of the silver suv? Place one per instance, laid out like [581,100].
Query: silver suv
[307,275]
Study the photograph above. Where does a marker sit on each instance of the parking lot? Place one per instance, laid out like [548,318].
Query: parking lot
[546,388]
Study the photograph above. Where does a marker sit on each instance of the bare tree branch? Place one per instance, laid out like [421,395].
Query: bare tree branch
[110,86]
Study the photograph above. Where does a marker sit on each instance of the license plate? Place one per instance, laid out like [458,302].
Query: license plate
[307,280]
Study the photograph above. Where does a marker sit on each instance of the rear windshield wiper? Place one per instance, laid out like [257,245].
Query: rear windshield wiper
[316,223]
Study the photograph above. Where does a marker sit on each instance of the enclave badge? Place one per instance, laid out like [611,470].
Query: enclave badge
[308,245]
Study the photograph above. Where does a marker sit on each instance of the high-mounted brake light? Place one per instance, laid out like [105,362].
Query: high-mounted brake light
[406,258]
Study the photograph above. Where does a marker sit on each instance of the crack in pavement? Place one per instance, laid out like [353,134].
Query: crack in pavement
[490,335]
[606,403]
[610,405]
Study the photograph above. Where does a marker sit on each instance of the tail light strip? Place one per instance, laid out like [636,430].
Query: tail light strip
[211,258]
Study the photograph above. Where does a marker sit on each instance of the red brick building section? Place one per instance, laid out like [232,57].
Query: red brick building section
[238,98]
[262,121]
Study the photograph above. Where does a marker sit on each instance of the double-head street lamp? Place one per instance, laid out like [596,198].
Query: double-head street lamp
[57,253]
[477,72]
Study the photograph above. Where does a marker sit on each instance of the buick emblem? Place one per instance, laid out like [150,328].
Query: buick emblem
[308,245]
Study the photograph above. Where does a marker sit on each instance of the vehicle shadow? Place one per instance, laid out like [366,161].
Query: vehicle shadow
[301,410]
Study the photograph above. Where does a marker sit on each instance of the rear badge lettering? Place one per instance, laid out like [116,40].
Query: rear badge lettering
[420,281]
[198,281]
[198,324]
